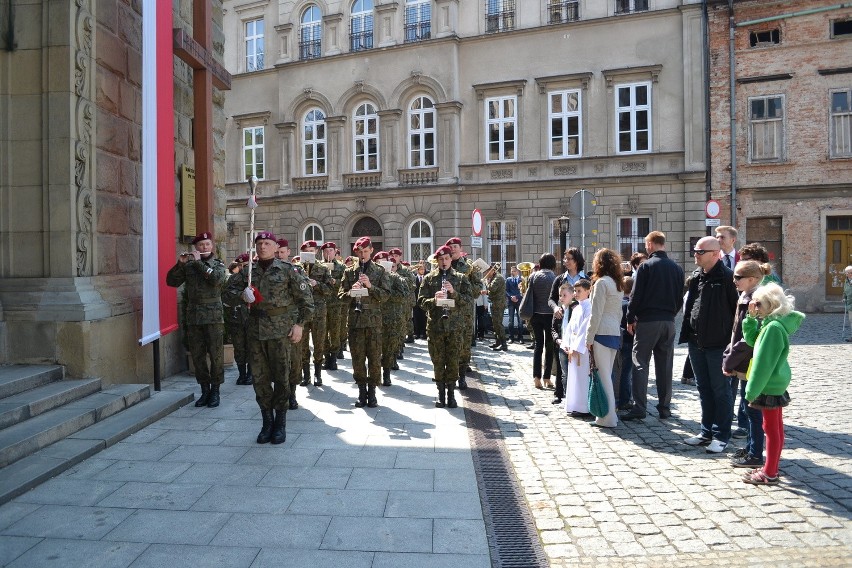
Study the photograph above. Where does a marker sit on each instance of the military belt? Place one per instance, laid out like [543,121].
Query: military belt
[258,313]
[207,301]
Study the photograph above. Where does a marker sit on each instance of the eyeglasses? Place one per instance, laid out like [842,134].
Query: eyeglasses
[739,277]
[567,258]
[699,252]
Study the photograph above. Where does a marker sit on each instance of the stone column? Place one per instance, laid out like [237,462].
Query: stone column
[285,52]
[445,20]
[449,129]
[385,28]
[332,34]
[390,141]
[335,152]
[289,165]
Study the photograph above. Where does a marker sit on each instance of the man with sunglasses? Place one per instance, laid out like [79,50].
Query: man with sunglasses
[711,302]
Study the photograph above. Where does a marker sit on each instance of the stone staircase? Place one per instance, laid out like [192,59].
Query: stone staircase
[49,424]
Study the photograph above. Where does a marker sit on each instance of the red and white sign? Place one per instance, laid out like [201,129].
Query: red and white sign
[712,209]
[476,219]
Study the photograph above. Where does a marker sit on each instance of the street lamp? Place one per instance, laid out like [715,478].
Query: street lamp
[564,221]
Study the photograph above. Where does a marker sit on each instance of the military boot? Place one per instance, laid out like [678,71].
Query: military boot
[317,374]
[395,366]
[266,430]
[340,353]
[371,397]
[442,396]
[306,375]
[249,375]
[205,395]
[494,345]
[292,402]
[409,338]
[331,362]
[462,381]
[213,401]
[386,380]
[279,427]
[362,396]
[451,397]
[241,380]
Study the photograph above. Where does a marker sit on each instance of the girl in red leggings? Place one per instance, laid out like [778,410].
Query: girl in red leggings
[770,322]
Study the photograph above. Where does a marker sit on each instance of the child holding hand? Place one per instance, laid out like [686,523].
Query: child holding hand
[574,354]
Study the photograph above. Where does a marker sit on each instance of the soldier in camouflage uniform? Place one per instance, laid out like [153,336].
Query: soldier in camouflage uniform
[365,320]
[466,267]
[280,305]
[392,309]
[406,323]
[236,325]
[334,306]
[445,327]
[295,372]
[319,277]
[497,296]
[349,262]
[204,276]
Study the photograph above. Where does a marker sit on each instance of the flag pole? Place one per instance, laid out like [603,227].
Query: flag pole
[252,204]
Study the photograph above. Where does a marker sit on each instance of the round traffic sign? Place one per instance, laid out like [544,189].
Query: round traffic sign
[712,209]
[476,219]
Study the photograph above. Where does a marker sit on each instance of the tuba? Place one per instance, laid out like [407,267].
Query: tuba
[526,269]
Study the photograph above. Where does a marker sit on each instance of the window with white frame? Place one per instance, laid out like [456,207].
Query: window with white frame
[313,232]
[627,6]
[499,15]
[556,239]
[418,20]
[766,128]
[310,33]
[561,11]
[565,124]
[361,25]
[314,143]
[633,118]
[500,128]
[366,138]
[503,243]
[419,240]
[253,158]
[631,235]
[421,133]
[841,124]
[254,45]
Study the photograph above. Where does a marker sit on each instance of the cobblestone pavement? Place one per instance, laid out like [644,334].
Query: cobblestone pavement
[638,496]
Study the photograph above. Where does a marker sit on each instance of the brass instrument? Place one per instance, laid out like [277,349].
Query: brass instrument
[526,269]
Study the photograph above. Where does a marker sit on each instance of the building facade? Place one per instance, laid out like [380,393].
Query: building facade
[397,119]
[70,184]
[784,173]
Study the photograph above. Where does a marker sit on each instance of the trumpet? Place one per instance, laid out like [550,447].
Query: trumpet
[526,269]
[359,307]
[446,313]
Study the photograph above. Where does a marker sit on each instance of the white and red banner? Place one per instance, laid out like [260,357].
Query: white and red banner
[159,302]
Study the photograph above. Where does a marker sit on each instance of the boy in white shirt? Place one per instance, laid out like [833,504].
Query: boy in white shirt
[574,355]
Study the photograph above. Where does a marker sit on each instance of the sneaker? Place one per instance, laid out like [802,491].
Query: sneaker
[739,433]
[740,453]
[716,447]
[632,414]
[760,478]
[747,461]
[699,440]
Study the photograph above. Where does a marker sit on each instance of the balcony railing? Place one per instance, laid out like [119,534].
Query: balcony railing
[359,41]
[502,20]
[362,180]
[417,31]
[310,183]
[629,6]
[310,49]
[565,11]
[418,176]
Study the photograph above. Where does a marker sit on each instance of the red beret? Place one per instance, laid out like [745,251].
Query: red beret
[406,263]
[362,243]
[443,250]
[282,243]
[453,241]
[307,244]
[242,258]
[205,236]
[396,251]
[328,245]
[264,235]
[349,260]
[381,255]
[297,258]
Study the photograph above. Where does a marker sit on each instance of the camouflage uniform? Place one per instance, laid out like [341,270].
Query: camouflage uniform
[365,328]
[295,371]
[236,328]
[473,275]
[204,280]
[497,297]
[286,301]
[335,308]
[392,316]
[319,272]
[407,319]
[446,336]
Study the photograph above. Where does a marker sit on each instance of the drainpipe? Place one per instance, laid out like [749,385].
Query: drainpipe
[11,44]
[707,138]
[733,105]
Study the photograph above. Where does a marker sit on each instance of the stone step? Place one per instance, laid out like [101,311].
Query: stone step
[31,403]
[27,437]
[19,378]
[26,473]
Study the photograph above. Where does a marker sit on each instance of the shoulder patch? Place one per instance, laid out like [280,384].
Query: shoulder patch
[303,286]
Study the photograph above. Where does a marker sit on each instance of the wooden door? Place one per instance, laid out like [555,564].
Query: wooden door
[838,255]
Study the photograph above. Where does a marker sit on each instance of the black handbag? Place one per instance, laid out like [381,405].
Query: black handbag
[525,310]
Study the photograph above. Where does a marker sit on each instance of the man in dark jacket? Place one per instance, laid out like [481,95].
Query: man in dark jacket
[707,323]
[657,297]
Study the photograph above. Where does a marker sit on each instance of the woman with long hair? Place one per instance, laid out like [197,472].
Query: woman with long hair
[770,322]
[539,286]
[604,334]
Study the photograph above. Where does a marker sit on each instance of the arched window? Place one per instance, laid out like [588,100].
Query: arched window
[361,25]
[310,33]
[367,227]
[313,232]
[421,133]
[366,139]
[419,240]
[313,143]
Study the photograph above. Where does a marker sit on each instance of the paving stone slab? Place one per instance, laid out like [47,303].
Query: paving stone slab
[170,555]
[12,547]
[281,531]
[433,505]
[151,495]
[80,554]
[168,527]
[67,491]
[413,560]
[309,477]
[223,474]
[379,534]
[331,502]
[272,558]
[246,499]
[66,521]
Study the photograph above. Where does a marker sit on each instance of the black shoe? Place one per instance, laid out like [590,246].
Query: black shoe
[386,378]
[664,413]
[468,369]
[205,395]
[511,340]
[442,396]
[556,400]
[340,353]
[330,362]
[249,375]
[399,356]
[279,427]
[531,346]
[362,396]
[266,430]
[371,397]
[462,382]
[241,380]
[394,366]
[739,433]
[632,414]
[213,401]
[292,402]
[451,397]
[317,374]
[409,339]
